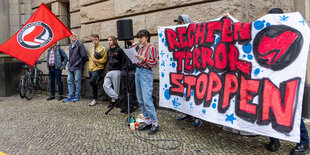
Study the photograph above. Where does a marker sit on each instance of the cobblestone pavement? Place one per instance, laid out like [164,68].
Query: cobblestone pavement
[51,127]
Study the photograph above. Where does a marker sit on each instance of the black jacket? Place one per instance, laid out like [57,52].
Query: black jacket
[115,56]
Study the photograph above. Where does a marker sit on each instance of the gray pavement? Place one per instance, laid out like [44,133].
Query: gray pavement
[52,127]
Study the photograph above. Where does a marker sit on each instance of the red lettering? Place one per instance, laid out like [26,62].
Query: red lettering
[227,31]
[188,58]
[181,31]
[189,81]
[201,86]
[172,40]
[179,56]
[214,86]
[220,57]
[282,107]
[230,87]
[206,57]
[246,87]
[176,85]
[235,63]
[242,31]
[212,26]
[196,63]
[200,32]
[191,34]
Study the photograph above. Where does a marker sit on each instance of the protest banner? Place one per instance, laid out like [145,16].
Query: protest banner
[248,76]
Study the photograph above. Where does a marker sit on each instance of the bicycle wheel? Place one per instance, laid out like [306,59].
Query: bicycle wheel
[39,80]
[29,87]
[21,87]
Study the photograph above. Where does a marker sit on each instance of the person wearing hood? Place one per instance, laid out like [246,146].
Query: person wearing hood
[186,19]
[113,77]
[303,145]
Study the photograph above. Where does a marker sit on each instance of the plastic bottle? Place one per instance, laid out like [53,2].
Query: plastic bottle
[132,124]
[136,125]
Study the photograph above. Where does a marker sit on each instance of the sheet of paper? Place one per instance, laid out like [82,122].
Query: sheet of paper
[131,53]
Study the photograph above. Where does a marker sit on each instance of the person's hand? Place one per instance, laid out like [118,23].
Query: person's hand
[135,44]
[61,68]
[139,57]
[95,61]
[226,14]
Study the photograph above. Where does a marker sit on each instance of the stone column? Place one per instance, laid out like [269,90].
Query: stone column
[4,18]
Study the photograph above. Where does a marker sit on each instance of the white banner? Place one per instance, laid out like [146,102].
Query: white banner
[248,76]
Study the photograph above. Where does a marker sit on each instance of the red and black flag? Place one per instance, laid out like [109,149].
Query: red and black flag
[41,31]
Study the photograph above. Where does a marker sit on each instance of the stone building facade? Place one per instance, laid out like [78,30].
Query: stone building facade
[86,17]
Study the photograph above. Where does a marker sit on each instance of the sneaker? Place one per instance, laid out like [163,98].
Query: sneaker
[67,99]
[60,98]
[197,122]
[144,126]
[75,99]
[300,149]
[93,102]
[184,117]
[244,133]
[50,98]
[154,129]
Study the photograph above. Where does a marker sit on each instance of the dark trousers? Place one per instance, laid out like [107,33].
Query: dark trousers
[94,78]
[131,88]
[304,137]
[55,74]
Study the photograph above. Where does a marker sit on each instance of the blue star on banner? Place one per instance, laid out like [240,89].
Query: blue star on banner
[162,53]
[303,22]
[283,18]
[230,118]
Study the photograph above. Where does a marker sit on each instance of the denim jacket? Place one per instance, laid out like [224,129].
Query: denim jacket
[58,62]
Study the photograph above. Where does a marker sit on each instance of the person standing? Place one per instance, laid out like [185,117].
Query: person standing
[113,77]
[77,58]
[148,59]
[97,60]
[56,61]
[303,145]
[186,19]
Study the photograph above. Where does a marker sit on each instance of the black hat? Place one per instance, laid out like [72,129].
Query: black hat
[179,19]
[275,11]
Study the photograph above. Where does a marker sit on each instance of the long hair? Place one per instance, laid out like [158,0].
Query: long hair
[113,39]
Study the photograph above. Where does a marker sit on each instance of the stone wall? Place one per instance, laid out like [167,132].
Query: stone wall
[99,16]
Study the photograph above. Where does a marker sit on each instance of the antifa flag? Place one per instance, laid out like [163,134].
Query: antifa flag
[41,31]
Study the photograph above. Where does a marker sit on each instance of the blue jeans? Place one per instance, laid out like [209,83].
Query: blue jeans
[55,74]
[304,137]
[74,77]
[144,89]
[94,78]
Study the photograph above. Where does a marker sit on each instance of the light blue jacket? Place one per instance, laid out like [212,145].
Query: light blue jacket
[61,58]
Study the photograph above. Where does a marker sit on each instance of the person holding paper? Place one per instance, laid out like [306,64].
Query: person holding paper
[113,77]
[148,59]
